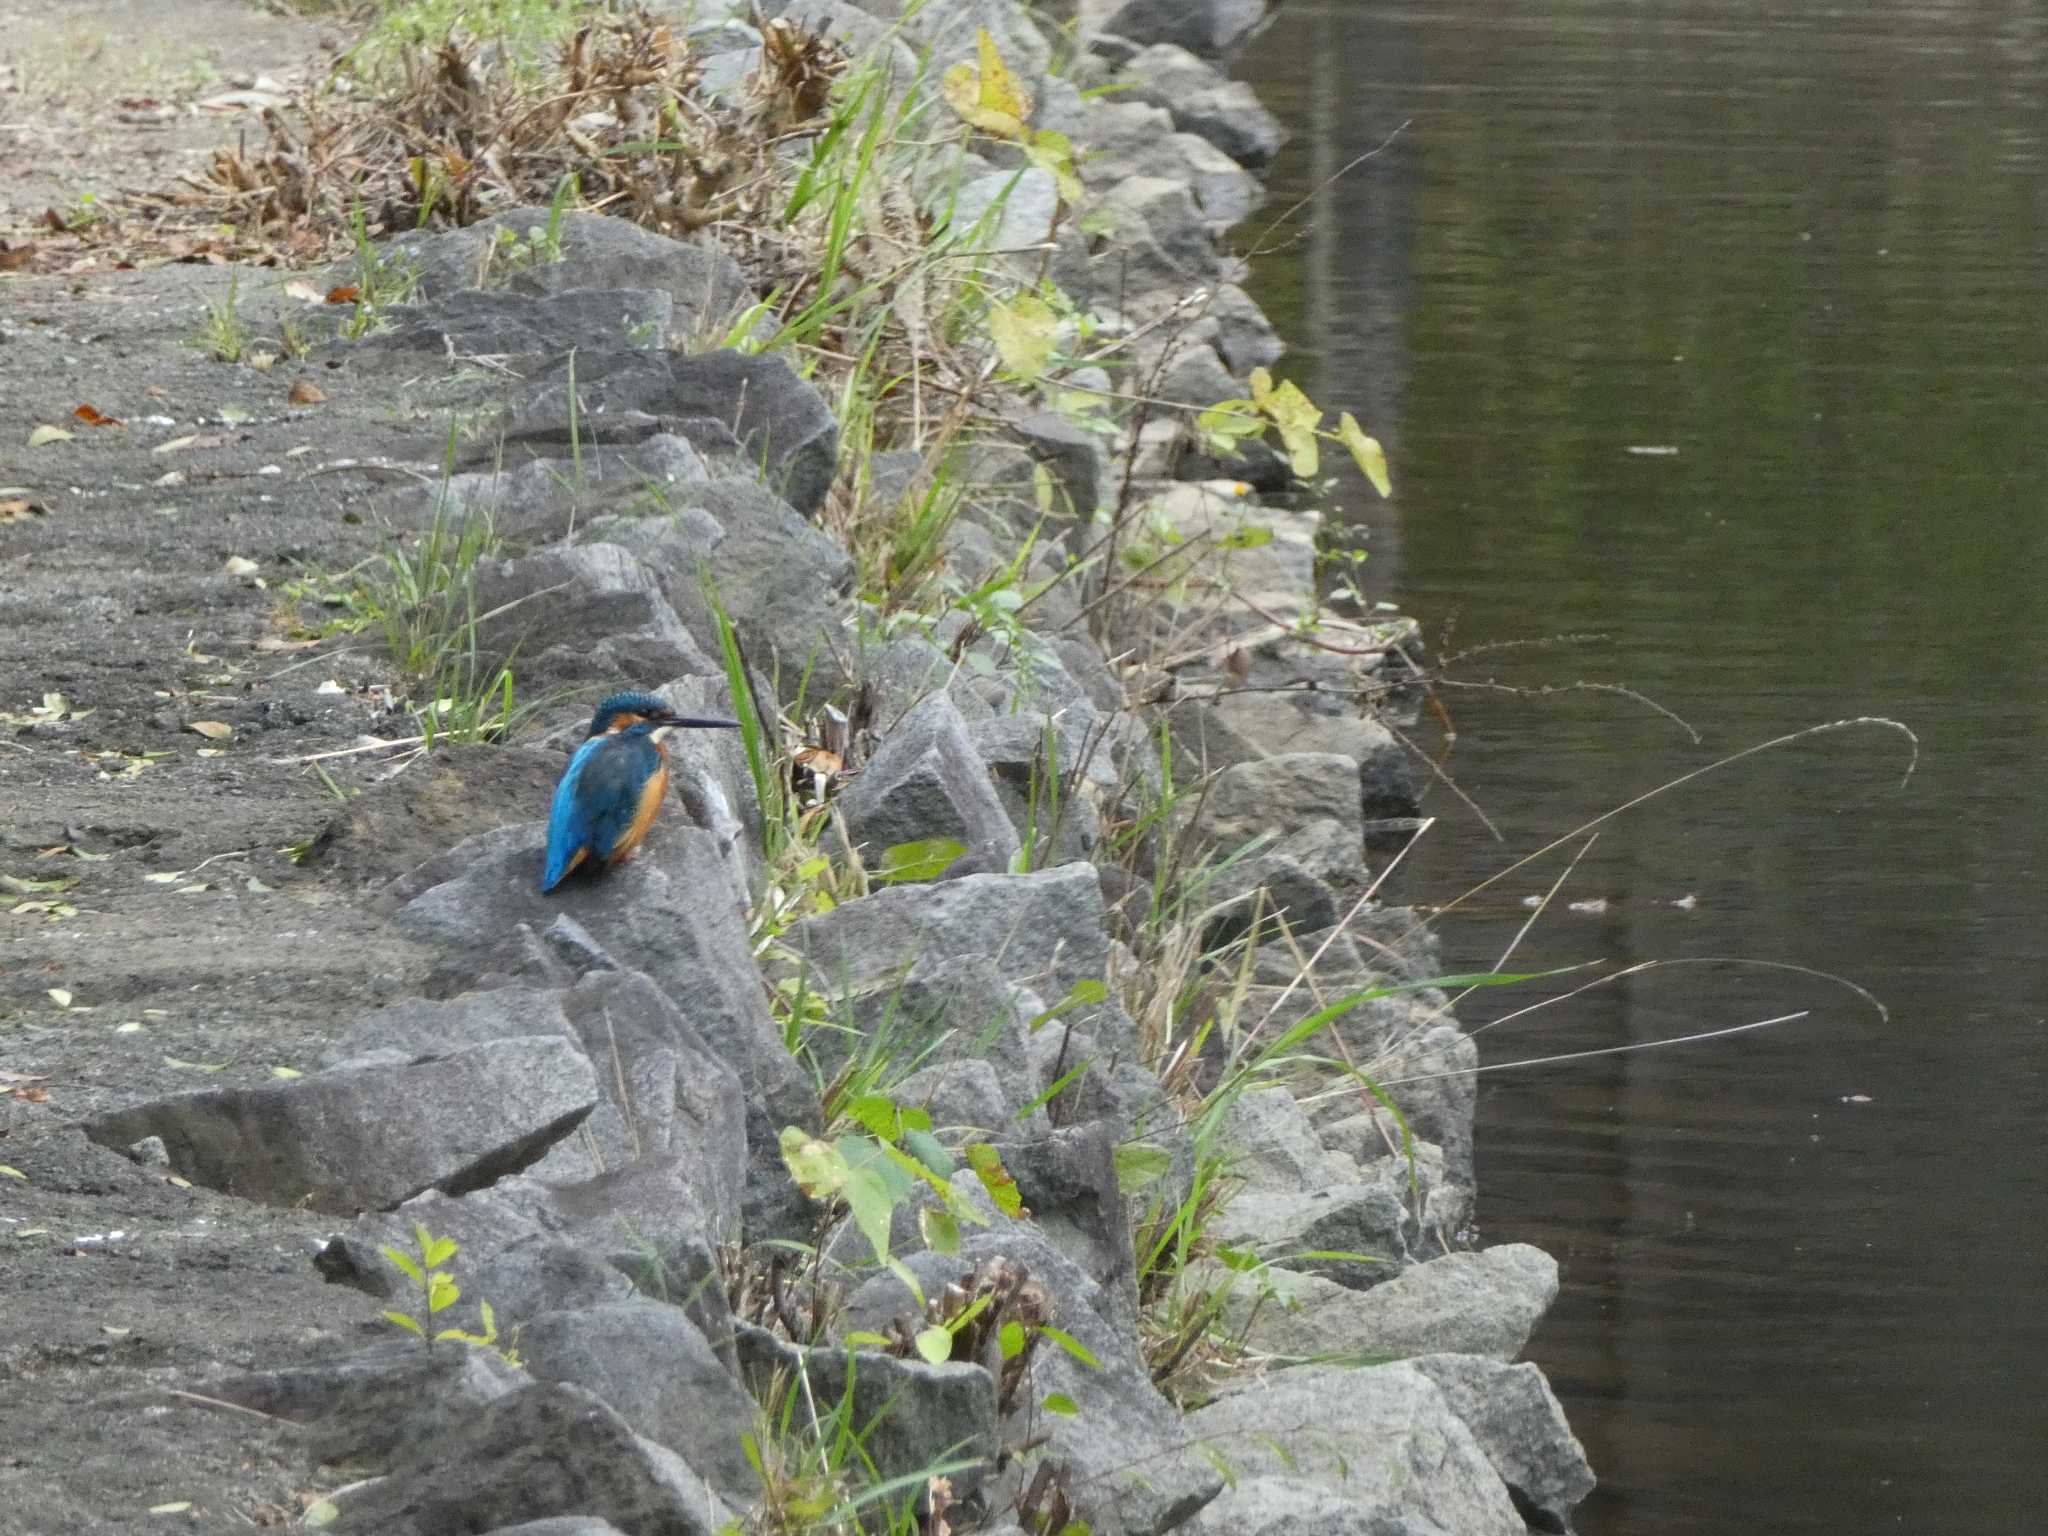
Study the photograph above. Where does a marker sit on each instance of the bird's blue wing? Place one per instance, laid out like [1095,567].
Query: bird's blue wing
[597,800]
[569,817]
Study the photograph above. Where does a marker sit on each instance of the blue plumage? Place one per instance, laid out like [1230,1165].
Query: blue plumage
[612,789]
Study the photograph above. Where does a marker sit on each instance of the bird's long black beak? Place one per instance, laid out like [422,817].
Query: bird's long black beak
[695,723]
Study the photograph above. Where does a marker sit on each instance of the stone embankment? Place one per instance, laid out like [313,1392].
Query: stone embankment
[1222,1293]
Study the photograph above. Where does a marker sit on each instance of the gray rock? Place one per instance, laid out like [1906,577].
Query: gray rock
[1483,1303]
[423,1026]
[650,1364]
[1025,754]
[544,1450]
[1068,1181]
[1211,28]
[1368,1221]
[950,1009]
[1160,241]
[784,583]
[539,500]
[1133,1468]
[1007,211]
[949,32]
[1204,102]
[1518,1422]
[1277,796]
[668,1095]
[469,323]
[783,430]
[676,913]
[963,1093]
[367,1405]
[1043,930]
[1146,144]
[560,1525]
[1075,459]
[1271,1144]
[1195,377]
[543,1275]
[705,285]
[1244,336]
[1284,1506]
[370,1134]
[910,1413]
[1382,1436]
[577,611]
[1291,894]
[926,781]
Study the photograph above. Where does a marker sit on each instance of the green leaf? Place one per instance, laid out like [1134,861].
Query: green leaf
[930,1151]
[1050,150]
[436,1251]
[1012,1339]
[1071,1345]
[1370,457]
[442,1291]
[987,1164]
[1228,423]
[869,1199]
[1087,992]
[876,1113]
[1250,536]
[8,1170]
[1024,331]
[320,1514]
[915,1119]
[1138,1164]
[919,861]
[404,1261]
[941,1232]
[935,1343]
[1061,1404]
[405,1322]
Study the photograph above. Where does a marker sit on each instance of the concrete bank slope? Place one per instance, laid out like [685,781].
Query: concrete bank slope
[953,1119]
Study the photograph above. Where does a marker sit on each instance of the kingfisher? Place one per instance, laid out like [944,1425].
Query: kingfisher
[611,791]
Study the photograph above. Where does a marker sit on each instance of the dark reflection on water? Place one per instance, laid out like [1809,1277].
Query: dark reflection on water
[1804,246]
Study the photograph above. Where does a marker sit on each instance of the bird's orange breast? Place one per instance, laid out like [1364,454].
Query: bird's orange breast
[643,814]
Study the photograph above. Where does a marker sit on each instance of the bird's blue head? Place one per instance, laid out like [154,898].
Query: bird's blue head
[622,711]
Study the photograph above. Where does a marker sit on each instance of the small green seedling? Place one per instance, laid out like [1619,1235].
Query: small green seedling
[438,1291]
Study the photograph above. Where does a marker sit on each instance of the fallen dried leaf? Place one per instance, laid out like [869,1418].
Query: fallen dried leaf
[298,288]
[92,416]
[346,294]
[241,565]
[19,509]
[48,434]
[306,392]
[212,730]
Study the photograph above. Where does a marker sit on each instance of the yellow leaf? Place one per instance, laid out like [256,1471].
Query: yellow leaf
[48,434]
[1370,456]
[212,730]
[13,1173]
[286,1072]
[60,997]
[178,1508]
[1024,330]
[989,97]
[241,565]
[1297,417]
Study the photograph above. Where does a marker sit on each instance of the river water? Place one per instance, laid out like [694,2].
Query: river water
[1797,252]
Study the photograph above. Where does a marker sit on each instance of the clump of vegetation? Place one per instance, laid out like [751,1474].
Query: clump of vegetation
[426,1267]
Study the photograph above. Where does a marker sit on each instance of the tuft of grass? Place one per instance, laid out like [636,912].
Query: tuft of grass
[222,334]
